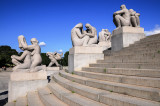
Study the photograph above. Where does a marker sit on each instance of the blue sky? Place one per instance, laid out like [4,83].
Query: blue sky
[51,21]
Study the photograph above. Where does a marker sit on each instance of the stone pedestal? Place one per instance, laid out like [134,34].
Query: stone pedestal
[80,56]
[53,68]
[124,36]
[22,82]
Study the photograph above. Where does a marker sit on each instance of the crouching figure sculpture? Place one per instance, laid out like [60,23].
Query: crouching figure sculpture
[54,57]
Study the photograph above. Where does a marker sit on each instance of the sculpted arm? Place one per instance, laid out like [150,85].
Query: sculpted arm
[94,33]
[20,57]
[28,47]
[119,12]
[79,33]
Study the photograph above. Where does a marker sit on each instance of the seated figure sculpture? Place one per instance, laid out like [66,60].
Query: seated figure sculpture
[92,33]
[23,61]
[122,17]
[77,36]
[104,35]
[54,57]
[105,38]
[31,56]
[83,38]
[135,22]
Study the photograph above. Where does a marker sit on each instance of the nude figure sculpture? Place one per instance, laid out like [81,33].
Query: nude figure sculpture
[31,56]
[23,61]
[54,57]
[122,17]
[104,35]
[80,37]
[77,36]
[92,33]
[135,21]
[105,38]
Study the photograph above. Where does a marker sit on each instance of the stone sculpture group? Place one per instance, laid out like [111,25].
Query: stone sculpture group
[125,17]
[54,57]
[30,58]
[83,38]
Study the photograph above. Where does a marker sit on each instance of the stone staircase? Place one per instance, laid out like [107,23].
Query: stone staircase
[129,77]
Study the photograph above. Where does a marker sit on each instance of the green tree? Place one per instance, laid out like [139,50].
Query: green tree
[5,55]
[65,59]
[45,59]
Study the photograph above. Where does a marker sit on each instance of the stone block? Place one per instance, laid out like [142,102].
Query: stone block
[24,76]
[22,82]
[81,56]
[52,68]
[124,36]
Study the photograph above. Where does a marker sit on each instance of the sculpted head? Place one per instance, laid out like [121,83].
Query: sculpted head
[34,41]
[21,41]
[79,25]
[88,26]
[131,10]
[123,7]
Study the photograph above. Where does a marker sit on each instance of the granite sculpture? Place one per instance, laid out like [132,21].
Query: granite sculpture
[135,21]
[105,38]
[92,33]
[31,57]
[125,17]
[104,35]
[80,37]
[122,17]
[54,57]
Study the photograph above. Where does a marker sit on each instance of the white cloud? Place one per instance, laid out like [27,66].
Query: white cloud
[60,50]
[42,44]
[153,31]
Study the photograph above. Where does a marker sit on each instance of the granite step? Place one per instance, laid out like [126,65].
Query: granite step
[150,38]
[33,99]
[133,80]
[22,101]
[103,96]
[150,45]
[131,90]
[143,58]
[145,40]
[10,104]
[137,54]
[134,52]
[144,43]
[48,98]
[154,73]
[127,65]
[70,97]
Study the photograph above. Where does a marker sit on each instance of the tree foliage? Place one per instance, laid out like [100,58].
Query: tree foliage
[45,59]
[5,55]
[65,59]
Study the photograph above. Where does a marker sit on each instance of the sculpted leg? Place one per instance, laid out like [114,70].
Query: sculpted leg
[124,22]
[117,21]
[15,62]
[50,64]
[56,63]
[92,41]
[137,20]
[133,21]
[85,40]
